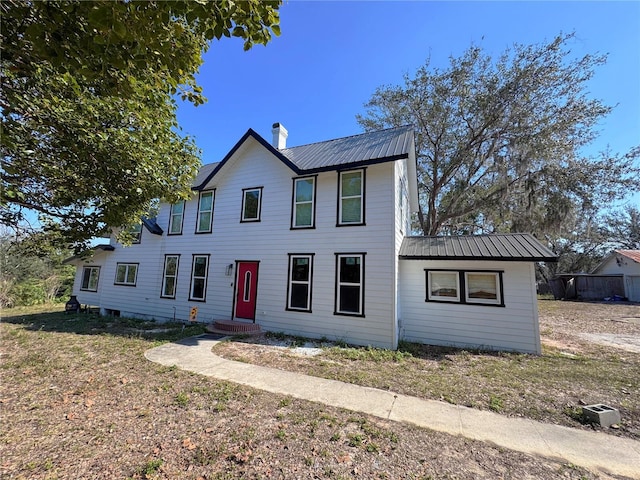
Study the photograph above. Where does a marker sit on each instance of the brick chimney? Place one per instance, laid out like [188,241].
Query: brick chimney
[280,135]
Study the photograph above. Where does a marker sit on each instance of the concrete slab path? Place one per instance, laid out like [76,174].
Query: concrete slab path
[593,450]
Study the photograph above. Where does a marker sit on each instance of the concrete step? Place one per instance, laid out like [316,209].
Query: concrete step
[233,327]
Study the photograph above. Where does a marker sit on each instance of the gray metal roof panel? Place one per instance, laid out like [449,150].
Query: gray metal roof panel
[504,247]
[367,147]
[203,173]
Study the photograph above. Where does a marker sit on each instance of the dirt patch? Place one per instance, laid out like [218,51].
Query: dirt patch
[80,401]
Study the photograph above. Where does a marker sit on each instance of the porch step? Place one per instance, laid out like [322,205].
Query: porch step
[232,327]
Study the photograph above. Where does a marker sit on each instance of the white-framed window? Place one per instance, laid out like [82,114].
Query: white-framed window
[483,287]
[303,210]
[90,276]
[205,212]
[443,286]
[349,284]
[175,218]
[199,273]
[126,274]
[251,204]
[351,197]
[170,276]
[473,287]
[300,278]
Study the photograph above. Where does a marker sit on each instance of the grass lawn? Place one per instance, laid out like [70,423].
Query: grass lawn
[79,400]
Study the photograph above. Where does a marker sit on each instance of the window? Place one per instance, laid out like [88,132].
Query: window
[175,219]
[483,287]
[350,284]
[444,286]
[170,276]
[303,211]
[205,212]
[199,270]
[90,277]
[299,286]
[467,287]
[251,203]
[351,198]
[136,233]
[126,274]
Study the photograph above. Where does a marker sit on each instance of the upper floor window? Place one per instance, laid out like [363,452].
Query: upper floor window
[176,217]
[351,198]
[126,274]
[136,232]
[350,284]
[303,211]
[299,287]
[205,212]
[90,277]
[251,204]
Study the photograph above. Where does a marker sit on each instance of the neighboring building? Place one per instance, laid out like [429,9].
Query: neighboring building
[625,263]
[313,241]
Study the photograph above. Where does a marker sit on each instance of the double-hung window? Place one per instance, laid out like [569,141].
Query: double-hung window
[90,276]
[299,286]
[303,210]
[351,197]
[205,212]
[126,274]
[199,272]
[176,217]
[251,204]
[350,284]
[136,233]
[170,276]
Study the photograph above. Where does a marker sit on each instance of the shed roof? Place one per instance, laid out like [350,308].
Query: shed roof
[632,254]
[88,253]
[347,152]
[513,247]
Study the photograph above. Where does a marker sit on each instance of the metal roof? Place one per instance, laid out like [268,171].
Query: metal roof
[365,148]
[88,253]
[354,151]
[504,247]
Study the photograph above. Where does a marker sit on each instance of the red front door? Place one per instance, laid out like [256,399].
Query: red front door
[246,290]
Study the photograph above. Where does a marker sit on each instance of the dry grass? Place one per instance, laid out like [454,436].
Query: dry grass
[571,371]
[80,401]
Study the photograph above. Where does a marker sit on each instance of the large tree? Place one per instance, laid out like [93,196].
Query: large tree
[500,142]
[88,106]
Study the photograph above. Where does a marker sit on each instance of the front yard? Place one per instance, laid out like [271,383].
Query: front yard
[79,400]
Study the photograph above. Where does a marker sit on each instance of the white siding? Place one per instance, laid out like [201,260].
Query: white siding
[269,242]
[512,327]
[619,264]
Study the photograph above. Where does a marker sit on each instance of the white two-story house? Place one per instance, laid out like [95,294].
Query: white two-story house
[315,241]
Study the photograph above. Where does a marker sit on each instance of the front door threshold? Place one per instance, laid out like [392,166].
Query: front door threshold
[232,327]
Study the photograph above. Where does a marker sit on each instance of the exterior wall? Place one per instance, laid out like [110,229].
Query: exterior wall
[86,297]
[512,327]
[269,242]
[630,271]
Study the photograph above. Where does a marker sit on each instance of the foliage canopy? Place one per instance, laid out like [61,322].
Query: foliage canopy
[500,142]
[88,111]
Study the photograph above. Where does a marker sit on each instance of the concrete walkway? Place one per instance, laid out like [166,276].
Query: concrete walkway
[593,450]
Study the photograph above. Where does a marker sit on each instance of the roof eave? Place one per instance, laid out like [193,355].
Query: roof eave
[479,258]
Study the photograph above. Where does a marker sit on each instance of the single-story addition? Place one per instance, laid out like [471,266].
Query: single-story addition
[625,263]
[314,240]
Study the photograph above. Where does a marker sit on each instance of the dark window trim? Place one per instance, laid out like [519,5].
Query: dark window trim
[313,201]
[364,197]
[184,210]
[164,275]
[206,277]
[289,265]
[463,286]
[252,220]
[124,284]
[84,267]
[213,203]
[337,284]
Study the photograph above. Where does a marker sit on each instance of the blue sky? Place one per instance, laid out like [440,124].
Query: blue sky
[332,55]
